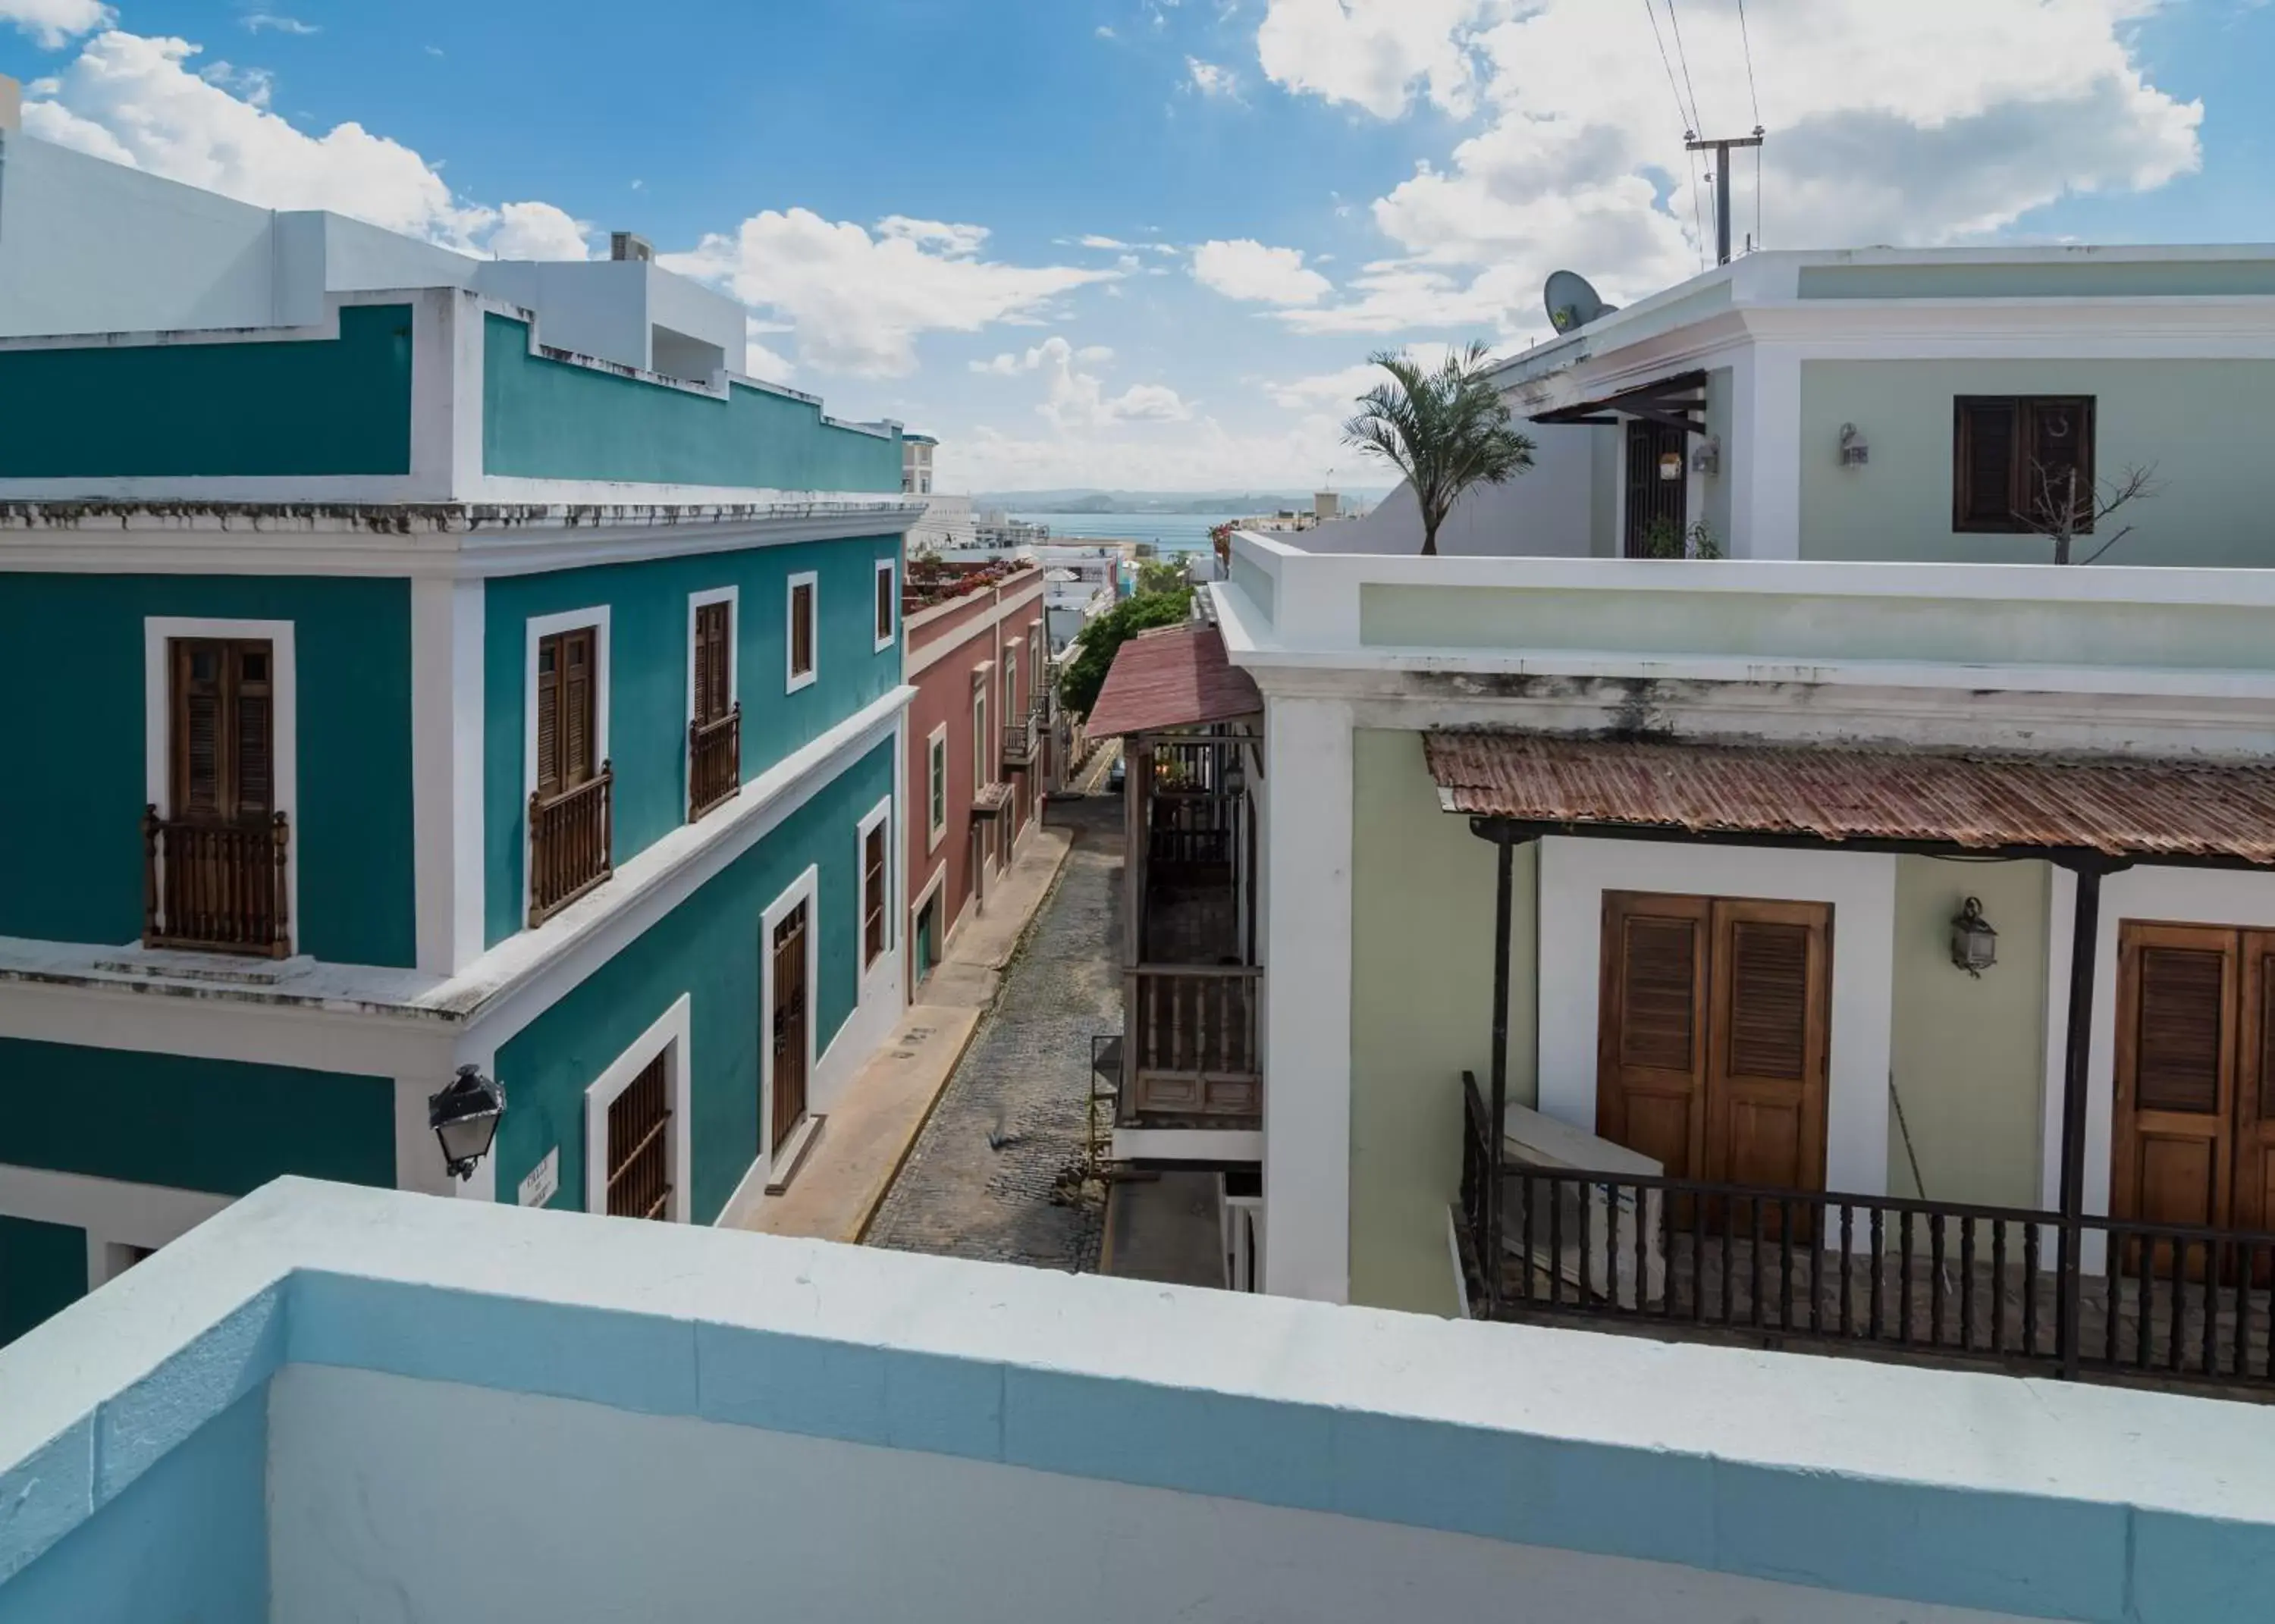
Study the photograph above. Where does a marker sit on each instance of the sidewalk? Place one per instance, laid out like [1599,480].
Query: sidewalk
[883,1109]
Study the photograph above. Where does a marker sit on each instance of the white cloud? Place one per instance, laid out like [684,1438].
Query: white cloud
[857,301]
[538,231]
[1245,269]
[1204,452]
[1373,53]
[1336,391]
[136,100]
[272,22]
[1093,240]
[55,23]
[1073,398]
[1974,113]
[1210,80]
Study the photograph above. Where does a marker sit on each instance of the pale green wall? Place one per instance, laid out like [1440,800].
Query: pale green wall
[1714,499]
[2194,419]
[1968,1056]
[1422,959]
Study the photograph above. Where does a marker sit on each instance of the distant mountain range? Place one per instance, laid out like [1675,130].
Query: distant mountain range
[1158,502]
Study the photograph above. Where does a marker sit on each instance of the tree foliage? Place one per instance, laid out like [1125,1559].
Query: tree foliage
[1085,674]
[1445,430]
[1160,575]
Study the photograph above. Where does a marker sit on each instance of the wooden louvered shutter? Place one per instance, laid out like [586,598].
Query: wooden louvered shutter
[1771,1014]
[714,661]
[2176,1067]
[801,629]
[2252,1203]
[1652,1050]
[1986,494]
[549,716]
[576,682]
[253,742]
[201,706]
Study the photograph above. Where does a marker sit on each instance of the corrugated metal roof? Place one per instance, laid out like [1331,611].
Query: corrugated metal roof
[2118,806]
[1177,676]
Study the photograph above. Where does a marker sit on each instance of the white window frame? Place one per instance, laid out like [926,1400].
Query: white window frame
[980,776]
[805,888]
[791,680]
[874,819]
[537,629]
[1010,682]
[936,788]
[671,1035]
[159,634]
[731,596]
[888,568]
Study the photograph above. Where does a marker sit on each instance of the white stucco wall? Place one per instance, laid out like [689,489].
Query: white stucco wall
[1545,512]
[395,1497]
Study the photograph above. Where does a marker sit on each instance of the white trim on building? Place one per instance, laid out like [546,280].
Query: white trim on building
[536,629]
[670,1036]
[731,596]
[807,889]
[887,570]
[793,679]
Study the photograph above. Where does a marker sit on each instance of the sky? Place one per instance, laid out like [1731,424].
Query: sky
[1150,244]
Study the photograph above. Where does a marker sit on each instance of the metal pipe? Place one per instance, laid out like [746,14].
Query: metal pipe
[1504,886]
[2085,931]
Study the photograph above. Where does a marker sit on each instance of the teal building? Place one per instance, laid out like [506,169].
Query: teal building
[409,690]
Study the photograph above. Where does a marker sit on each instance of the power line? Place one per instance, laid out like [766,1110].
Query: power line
[1698,206]
[1683,56]
[1689,124]
[1746,40]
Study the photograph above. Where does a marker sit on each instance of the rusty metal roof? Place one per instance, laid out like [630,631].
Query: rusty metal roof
[2123,807]
[1177,676]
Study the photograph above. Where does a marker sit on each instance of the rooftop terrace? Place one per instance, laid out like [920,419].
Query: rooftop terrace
[335,1403]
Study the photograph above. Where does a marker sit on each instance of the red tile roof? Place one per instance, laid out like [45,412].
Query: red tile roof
[2120,807]
[1175,676]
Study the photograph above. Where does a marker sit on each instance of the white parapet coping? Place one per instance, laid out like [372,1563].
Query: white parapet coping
[2021,1496]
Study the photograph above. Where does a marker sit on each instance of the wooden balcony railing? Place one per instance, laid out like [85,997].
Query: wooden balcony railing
[568,844]
[1190,1039]
[714,762]
[216,887]
[1883,1276]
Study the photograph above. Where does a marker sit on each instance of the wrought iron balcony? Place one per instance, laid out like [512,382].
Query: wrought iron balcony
[1019,743]
[216,887]
[569,837]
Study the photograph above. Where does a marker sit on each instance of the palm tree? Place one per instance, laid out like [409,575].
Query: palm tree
[1445,430]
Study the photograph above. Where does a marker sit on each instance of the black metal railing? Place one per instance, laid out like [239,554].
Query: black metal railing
[1019,743]
[1880,1275]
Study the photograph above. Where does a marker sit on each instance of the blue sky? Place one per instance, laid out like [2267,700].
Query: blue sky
[1150,243]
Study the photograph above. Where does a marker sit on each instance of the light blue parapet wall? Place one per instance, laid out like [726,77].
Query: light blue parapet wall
[548,417]
[1698,1474]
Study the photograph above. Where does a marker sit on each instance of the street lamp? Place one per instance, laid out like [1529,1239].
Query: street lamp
[1974,943]
[464,1118]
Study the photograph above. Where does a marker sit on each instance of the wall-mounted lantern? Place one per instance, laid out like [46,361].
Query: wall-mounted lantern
[1707,459]
[1855,451]
[464,1118]
[1974,943]
[1670,464]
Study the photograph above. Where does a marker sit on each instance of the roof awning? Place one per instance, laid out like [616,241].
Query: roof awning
[2102,808]
[1177,676]
[1678,401]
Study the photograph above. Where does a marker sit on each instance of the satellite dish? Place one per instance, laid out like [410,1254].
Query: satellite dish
[1573,303]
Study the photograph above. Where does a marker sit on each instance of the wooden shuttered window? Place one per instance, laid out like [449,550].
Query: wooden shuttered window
[565,694]
[801,629]
[639,1144]
[714,660]
[887,602]
[224,730]
[873,895]
[2016,460]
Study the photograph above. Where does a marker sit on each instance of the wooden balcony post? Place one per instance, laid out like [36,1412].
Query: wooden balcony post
[280,944]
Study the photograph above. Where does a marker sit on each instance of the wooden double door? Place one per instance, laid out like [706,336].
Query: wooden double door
[1713,1036]
[2193,1131]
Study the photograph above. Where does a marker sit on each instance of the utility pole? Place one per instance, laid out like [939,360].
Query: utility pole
[1721,150]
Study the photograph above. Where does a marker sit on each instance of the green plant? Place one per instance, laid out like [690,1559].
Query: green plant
[1085,673]
[1444,430]
[1662,538]
[1160,575]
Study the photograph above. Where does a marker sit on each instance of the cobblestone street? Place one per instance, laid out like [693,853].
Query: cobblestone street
[981,1182]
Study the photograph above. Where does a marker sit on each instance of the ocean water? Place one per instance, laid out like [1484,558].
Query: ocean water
[1172,532]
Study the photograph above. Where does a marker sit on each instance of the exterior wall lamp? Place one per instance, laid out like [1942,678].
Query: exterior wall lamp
[1855,451]
[1974,943]
[464,1118]
[1707,459]
[1670,465]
